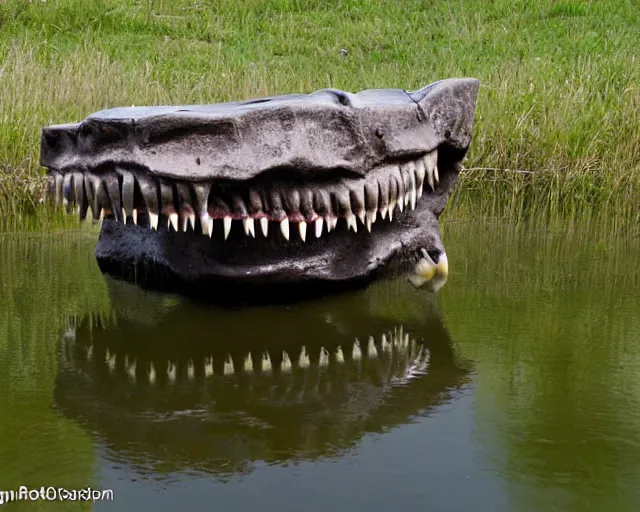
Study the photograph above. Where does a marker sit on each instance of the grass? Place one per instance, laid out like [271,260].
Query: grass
[557,123]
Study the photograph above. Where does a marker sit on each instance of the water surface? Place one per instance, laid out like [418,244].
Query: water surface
[515,387]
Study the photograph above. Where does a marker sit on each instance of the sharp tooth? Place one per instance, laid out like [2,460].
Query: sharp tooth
[430,165]
[303,360]
[339,355]
[356,353]
[371,218]
[319,222]
[249,227]
[202,203]
[128,186]
[324,357]
[153,219]
[210,226]
[284,227]
[226,223]
[351,222]
[173,220]
[412,177]
[135,216]
[285,366]
[149,190]
[392,207]
[228,366]
[208,367]
[302,227]
[372,351]
[266,363]
[327,221]
[420,174]
[383,196]
[248,363]
[80,196]
[264,224]
[383,212]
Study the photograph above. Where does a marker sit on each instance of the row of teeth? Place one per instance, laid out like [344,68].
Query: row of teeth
[393,187]
[416,360]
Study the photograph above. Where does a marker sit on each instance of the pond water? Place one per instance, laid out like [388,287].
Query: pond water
[514,387]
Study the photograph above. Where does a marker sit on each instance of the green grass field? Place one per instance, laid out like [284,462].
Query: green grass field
[558,121]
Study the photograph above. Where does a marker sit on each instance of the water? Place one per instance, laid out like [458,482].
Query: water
[515,387]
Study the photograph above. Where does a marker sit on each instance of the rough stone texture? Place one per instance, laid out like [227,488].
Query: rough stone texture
[321,140]
[327,129]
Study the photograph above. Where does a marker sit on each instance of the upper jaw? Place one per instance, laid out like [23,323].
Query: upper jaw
[312,134]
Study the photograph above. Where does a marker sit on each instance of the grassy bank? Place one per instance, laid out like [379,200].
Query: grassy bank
[557,125]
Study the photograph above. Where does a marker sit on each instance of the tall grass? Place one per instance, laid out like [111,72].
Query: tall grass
[557,121]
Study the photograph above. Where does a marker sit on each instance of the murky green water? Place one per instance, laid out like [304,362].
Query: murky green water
[516,387]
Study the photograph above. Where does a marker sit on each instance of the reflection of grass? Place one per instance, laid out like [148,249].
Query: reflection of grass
[549,315]
[559,97]
[41,281]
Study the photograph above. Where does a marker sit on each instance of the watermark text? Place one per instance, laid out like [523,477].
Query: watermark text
[55,494]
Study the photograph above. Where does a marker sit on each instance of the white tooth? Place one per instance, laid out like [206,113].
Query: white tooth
[206,226]
[228,366]
[208,367]
[327,221]
[339,355]
[172,372]
[401,204]
[249,227]
[430,166]
[412,176]
[248,363]
[356,353]
[362,216]
[286,362]
[135,216]
[185,222]
[226,222]
[334,222]
[407,199]
[284,227]
[264,224]
[319,222]
[371,218]
[191,369]
[153,219]
[302,227]
[303,360]
[173,220]
[392,207]
[420,173]
[405,342]
[210,227]
[266,363]
[383,212]
[372,351]
[351,223]
[152,374]
[124,216]
[324,357]
[192,221]
[436,175]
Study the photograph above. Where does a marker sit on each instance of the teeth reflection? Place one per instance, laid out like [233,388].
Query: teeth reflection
[356,353]
[324,357]
[171,373]
[248,364]
[372,351]
[208,367]
[285,366]
[266,363]
[303,361]
[228,366]
[339,355]
[152,374]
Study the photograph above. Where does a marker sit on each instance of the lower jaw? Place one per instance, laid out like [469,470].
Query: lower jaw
[245,269]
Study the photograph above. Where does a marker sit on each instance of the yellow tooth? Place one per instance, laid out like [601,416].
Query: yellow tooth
[371,348]
[324,357]
[339,355]
[442,267]
[208,367]
[286,362]
[266,363]
[303,361]
[248,363]
[356,353]
[228,366]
